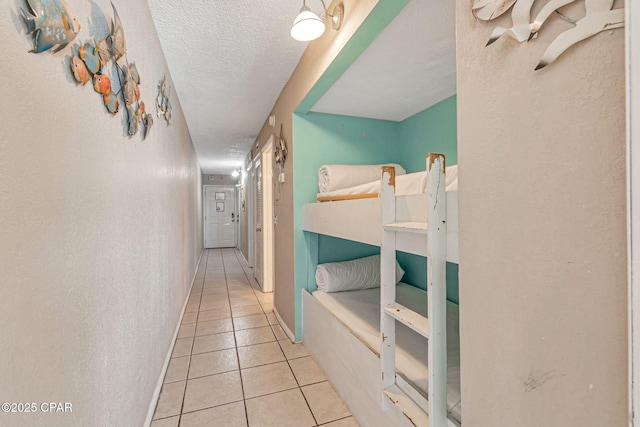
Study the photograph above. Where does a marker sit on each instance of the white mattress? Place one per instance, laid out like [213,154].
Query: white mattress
[413,183]
[360,311]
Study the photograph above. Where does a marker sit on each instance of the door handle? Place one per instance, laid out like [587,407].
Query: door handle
[258,229]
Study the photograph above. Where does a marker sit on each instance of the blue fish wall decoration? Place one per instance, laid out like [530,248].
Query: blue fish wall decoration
[52,24]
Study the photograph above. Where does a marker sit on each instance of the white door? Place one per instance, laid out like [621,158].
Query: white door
[257,212]
[219,217]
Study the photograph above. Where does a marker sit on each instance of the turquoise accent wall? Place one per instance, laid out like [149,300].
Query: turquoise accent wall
[327,138]
[323,139]
[333,249]
[433,130]
[415,273]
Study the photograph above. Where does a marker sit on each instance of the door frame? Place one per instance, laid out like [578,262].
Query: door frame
[266,157]
[257,159]
[204,213]
[632,51]
[248,197]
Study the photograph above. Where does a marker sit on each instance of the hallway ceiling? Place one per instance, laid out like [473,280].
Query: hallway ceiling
[229,61]
[409,67]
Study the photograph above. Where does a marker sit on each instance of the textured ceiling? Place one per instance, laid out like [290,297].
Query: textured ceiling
[229,61]
[410,66]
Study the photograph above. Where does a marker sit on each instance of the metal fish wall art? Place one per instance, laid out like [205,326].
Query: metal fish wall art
[599,17]
[99,61]
[163,105]
[118,41]
[52,24]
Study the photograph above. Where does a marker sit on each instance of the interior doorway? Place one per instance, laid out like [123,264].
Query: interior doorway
[219,217]
[264,217]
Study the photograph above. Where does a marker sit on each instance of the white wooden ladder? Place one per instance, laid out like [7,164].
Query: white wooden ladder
[396,391]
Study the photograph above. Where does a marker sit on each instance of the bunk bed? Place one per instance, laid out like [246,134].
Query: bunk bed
[367,341]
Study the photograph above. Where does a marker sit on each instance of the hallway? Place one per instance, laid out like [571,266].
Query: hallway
[233,365]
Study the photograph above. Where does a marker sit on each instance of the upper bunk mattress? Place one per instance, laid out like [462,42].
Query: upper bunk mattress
[360,311]
[413,183]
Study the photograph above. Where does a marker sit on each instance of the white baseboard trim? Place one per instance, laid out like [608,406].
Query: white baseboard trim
[284,326]
[244,258]
[156,393]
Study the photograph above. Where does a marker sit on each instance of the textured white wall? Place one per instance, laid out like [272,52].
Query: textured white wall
[543,281]
[99,233]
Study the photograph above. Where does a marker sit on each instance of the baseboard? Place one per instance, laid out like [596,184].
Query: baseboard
[156,393]
[244,258]
[284,326]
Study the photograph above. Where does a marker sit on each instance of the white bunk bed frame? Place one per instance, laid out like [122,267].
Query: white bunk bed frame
[425,225]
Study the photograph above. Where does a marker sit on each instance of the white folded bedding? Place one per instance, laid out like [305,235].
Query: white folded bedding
[360,311]
[413,183]
[335,177]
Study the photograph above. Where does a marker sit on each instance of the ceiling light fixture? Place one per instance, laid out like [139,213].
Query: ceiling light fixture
[308,26]
[235,173]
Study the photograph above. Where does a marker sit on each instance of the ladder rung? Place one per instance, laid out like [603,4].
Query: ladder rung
[407,227]
[416,415]
[414,320]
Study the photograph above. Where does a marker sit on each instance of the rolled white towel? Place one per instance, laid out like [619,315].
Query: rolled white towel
[361,273]
[336,177]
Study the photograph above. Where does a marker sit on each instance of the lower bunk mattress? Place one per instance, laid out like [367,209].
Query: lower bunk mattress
[360,311]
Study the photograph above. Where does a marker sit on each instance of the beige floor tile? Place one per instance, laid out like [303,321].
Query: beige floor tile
[220,291]
[248,310]
[265,297]
[222,304]
[267,379]
[293,351]
[206,316]
[229,415]
[307,371]
[248,322]
[246,292]
[182,347]
[193,299]
[254,336]
[325,403]
[212,363]
[241,291]
[208,343]
[287,408]
[260,354]
[345,422]
[243,301]
[192,308]
[189,318]
[166,422]
[267,307]
[214,298]
[186,331]
[271,317]
[214,390]
[214,327]
[279,332]
[170,400]
[177,370]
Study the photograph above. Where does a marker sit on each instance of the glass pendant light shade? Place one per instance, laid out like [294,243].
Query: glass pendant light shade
[307,26]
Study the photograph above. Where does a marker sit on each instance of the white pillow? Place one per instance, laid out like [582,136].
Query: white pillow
[362,273]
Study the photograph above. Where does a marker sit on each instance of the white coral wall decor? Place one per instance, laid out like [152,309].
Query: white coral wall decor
[599,17]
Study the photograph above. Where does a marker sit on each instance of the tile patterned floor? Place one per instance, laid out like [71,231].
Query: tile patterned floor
[233,365]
